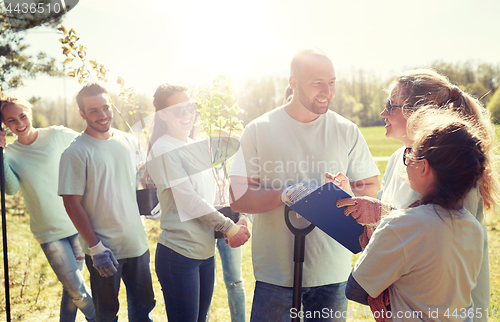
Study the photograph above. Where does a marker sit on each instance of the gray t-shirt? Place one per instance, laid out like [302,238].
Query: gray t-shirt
[37,167]
[280,151]
[104,173]
[429,262]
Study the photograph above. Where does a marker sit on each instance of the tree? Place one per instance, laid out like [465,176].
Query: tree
[494,107]
[15,63]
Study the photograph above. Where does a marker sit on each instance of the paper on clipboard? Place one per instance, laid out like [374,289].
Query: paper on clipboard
[320,209]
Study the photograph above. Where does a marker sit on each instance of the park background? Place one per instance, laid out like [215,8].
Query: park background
[191,42]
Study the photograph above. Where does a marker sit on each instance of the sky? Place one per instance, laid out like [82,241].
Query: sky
[150,42]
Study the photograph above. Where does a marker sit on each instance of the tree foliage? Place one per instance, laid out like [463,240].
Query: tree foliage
[494,107]
[15,63]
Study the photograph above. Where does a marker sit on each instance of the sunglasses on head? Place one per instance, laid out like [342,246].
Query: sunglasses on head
[180,109]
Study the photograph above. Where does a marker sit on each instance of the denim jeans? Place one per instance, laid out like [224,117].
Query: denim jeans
[231,270]
[66,258]
[272,303]
[187,284]
[136,276]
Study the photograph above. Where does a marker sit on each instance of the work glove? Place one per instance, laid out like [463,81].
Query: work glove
[155,214]
[103,260]
[365,210]
[238,234]
[367,233]
[295,192]
[380,304]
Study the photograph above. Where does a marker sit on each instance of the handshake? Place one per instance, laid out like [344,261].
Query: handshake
[238,234]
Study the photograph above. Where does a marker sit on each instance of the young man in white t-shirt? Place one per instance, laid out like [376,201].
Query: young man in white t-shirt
[97,181]
[298,142]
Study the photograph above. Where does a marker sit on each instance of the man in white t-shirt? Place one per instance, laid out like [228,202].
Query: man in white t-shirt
[97,181]
[298,142]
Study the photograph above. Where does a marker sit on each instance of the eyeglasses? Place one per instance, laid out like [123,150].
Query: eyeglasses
[180,109]
[389,107]
[405,156]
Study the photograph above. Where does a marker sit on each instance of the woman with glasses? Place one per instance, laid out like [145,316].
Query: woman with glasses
[426,259]
[182,172]
[408,92]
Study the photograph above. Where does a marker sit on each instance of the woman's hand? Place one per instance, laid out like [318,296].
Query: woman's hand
[340,180]
[365,210]
[3,140]
[240,237]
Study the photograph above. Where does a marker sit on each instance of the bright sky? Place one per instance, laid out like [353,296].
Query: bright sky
[149,42]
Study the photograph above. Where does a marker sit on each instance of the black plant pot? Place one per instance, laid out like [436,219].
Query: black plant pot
[147,200]
[226,211]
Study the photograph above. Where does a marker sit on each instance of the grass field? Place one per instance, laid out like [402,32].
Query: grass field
[35,292]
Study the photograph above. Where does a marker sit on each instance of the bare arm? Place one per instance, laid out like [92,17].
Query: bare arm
[366,187]
[249,197]
[73,205]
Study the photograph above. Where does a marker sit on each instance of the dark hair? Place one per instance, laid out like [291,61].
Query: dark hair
[164,92]
[89,90]
[160,98]
[452,146]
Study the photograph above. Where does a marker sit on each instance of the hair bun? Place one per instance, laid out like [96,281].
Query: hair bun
[455,93]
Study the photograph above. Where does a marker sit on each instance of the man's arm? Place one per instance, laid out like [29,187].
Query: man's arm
[74,208]
[366,187]
[249,197]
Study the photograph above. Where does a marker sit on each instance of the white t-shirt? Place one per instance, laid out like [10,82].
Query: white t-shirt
[171,163]
[37,167]
[281,151]
[396,191]
[429,262]
[104,173]
[395,188]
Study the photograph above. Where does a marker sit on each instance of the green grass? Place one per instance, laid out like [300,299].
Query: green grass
[35,292]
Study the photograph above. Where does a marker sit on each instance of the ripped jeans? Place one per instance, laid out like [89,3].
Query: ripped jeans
[231,270]
[67,259]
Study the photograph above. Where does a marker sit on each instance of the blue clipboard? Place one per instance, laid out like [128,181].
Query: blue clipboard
[320,209]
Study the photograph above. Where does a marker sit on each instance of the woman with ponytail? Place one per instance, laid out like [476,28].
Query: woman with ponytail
[407,93]
[426,259]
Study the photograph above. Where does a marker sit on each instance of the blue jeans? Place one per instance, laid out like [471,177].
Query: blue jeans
[136,276]
[272,303]
[187,284]
[66,258]
[231,270]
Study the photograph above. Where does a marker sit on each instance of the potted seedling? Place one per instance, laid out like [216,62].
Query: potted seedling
[218,117]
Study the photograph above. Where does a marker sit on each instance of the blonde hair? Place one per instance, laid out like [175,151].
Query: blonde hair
[453,146]
[421,87]
[11,99]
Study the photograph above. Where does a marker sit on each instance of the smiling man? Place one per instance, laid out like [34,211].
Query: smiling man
[97,180]
[297,142]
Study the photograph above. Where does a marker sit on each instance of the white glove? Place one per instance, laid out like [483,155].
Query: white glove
[238,234]
[103,260]
[155,214]
[295,192]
